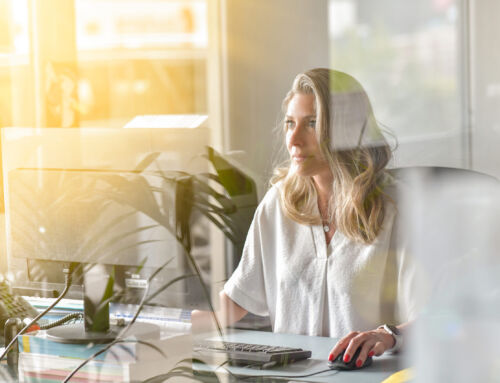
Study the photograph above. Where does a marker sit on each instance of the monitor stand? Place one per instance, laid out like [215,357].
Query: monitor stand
[98,281]
[76,333]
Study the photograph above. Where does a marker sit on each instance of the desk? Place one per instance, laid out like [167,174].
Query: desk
[381,368]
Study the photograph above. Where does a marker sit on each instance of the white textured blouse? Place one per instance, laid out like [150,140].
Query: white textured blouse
[288,272]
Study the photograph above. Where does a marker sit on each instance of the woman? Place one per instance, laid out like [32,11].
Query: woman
[322,255]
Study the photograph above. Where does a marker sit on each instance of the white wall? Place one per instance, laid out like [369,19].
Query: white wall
[485,66]
[267,43]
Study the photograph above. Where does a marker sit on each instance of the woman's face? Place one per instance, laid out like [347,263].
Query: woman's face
[301,140]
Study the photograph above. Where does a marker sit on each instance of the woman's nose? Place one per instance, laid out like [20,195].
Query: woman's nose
[296,135]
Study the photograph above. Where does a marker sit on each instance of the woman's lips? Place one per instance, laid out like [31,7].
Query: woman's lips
[299,158]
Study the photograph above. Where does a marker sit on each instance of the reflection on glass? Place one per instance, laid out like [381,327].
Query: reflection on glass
[454,226]
[143,218]
[407,56]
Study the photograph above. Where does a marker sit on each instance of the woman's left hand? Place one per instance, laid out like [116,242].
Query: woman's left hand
[373,342]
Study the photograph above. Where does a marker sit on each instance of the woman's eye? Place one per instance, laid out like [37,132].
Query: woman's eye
[289,124]
[312,123]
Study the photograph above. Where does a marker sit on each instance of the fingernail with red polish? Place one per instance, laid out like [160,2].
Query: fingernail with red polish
[359,363]
[371,353]
[330,357]
[347,358]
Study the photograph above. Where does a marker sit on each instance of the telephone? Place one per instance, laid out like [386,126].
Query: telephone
[13,305]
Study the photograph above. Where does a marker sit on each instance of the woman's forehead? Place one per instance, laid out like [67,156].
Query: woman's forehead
[303,103]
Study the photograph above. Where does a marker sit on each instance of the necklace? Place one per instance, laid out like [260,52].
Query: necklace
[326,226]
[325,223]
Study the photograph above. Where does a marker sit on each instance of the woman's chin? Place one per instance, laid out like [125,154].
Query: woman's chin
[301,171]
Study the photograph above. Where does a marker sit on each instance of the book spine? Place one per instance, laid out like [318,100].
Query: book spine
[39,345]
[50,368]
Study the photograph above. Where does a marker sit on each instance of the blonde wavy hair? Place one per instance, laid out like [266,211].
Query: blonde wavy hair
[355,149]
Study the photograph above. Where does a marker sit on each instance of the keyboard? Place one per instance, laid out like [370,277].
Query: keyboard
[251,354]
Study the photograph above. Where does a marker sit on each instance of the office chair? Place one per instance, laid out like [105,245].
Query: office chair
[439,172]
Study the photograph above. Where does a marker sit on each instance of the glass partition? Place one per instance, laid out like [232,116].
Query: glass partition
[106,107]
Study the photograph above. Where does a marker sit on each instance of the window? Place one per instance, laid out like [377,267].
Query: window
[141,57]
[408,57]
[101,62]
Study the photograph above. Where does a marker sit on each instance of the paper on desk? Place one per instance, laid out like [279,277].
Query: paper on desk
[170,320]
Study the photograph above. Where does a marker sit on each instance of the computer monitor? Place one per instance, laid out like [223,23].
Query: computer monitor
[122,220]
[110,218]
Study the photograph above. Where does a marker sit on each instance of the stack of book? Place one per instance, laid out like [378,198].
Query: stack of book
[43,360]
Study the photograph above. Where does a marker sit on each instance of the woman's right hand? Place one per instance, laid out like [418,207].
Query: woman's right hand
[373,342]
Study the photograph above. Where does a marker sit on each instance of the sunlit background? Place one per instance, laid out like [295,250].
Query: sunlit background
[110,60]
[99,63]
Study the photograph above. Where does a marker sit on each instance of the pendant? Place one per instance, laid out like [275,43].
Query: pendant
[326,228]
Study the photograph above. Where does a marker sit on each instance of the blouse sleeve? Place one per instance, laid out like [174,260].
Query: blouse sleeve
[246,287]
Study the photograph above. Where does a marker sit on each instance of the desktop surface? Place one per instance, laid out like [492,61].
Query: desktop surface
[381,368]
[173,325]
